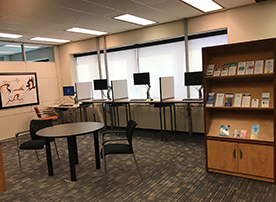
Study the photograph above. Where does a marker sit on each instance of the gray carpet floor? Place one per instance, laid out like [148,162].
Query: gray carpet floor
[173,171]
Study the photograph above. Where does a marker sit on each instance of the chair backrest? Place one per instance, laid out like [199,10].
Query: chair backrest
[37,112]
[129,130]
[36,125]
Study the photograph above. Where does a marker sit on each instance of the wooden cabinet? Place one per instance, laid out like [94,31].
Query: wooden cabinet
[3,186]
[245,157]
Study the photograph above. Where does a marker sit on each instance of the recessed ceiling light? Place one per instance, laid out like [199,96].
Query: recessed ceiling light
[14,36]
[85,31]
[134,19]
[49,40]
[19,46]
[203,5]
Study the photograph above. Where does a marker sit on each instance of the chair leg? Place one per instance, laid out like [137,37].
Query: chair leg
[56,148]
[105,170]
[36,155]
[19,159]
[137,166]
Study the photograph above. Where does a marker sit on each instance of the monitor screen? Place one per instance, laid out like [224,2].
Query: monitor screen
[68,91]
[100,84]
[141,78]
[193,78]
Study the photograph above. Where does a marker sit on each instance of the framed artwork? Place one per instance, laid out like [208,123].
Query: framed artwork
[18,90]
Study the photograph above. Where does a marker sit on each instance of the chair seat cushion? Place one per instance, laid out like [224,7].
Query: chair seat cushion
[117,149]
[33,144]
[55,118]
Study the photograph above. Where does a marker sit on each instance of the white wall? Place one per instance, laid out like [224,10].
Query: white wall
[17,119]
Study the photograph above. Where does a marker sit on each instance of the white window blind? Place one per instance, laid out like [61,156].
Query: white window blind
[163,61]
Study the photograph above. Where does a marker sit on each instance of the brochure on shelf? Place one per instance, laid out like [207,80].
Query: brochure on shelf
[255,103]
[246,100]
[219,99]
[210,99]
[255,128]
[228,100]
[232,69]
[225,68]
[210,70]
[269,66]
[265,100]
[224,130]
[259,67]
[240,133]
[241,68]
[237,99]
[249,67]
[218,69]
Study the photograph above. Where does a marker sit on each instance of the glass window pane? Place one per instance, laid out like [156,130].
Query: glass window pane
[195,54]
[37,53]
[163,61]
[10,52]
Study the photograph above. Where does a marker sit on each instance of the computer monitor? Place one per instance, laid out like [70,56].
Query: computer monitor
[100,84]
[141,78]
[68,91]
[193,78]
[84,90]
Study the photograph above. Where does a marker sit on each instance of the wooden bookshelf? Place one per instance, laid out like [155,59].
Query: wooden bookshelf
[244,157]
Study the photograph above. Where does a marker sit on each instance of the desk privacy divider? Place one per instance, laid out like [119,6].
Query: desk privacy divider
[166,87]
[84,90]
[119,89]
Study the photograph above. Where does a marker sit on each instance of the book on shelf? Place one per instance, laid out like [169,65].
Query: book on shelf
[219,99]
[255,103]
[224,130]
[228,100]
[225,68]
[210,70]
[259,67]
[241,68]
[210,99]
[240,133]
[265,100]
[249,67]
[269,66]
[246,98]
[237,99]
[232,68]
[218,69]
[255,129]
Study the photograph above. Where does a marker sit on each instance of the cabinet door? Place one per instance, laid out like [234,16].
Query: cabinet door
[222,155]
[256,160]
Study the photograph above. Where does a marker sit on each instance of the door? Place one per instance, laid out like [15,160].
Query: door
[256,160]
[222,155]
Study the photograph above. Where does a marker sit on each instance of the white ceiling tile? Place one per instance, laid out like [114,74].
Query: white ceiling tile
[234,3]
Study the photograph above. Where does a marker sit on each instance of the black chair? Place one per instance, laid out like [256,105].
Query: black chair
[119,148]
[36,142]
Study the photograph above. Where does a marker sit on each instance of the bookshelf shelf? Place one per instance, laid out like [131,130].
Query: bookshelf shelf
[244,157]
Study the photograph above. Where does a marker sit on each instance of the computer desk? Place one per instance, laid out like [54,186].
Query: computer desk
[64,108]
[188,102]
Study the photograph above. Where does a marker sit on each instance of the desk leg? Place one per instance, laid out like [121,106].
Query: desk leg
[49,157]
[129,111]
[171,118]
[161,126]
[126,113]
[71,142]
[190,120]
[80,114]
[165,129]
[117,110]
[97,150]
[174,118]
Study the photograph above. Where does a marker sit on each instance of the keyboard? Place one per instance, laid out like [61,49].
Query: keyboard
[138,99]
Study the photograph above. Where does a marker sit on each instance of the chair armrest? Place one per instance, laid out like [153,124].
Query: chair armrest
[113,140]
[22,132]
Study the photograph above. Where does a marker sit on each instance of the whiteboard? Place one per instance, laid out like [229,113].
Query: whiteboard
[84,90]
[119,89]
[166,87]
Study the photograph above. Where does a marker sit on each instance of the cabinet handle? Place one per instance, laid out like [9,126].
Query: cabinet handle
[240,154]
[234,153]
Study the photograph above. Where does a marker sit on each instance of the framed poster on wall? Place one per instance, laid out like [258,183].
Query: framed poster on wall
[18,90]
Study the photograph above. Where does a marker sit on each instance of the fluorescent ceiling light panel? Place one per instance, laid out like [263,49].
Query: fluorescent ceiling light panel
[203,5]
[134,19]
[49,40]
[85,31]
[19,46]
[6,52]
[13,36]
